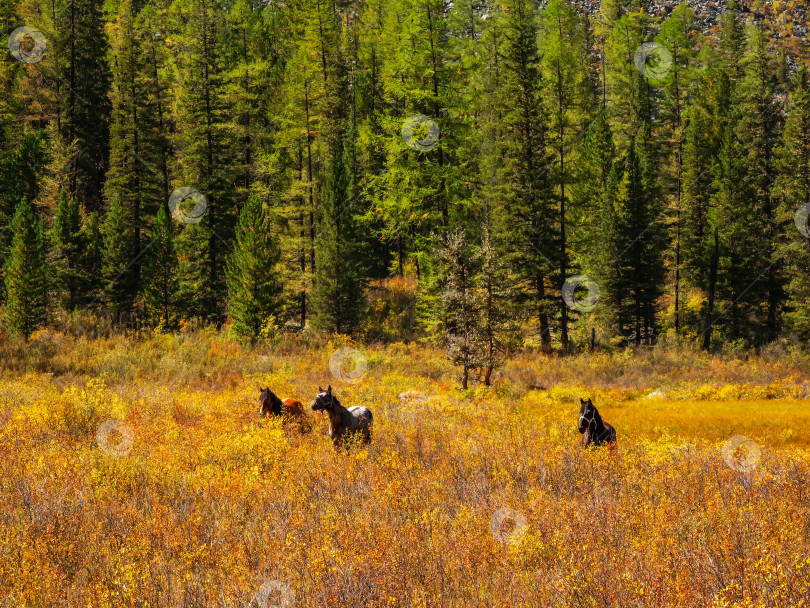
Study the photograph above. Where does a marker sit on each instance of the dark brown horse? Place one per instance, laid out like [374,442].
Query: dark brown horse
[290,410]
[343,423]
[593,429]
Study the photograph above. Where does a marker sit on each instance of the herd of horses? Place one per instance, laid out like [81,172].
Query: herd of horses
[346,423]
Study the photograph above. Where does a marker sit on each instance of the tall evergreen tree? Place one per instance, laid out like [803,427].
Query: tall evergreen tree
[25,273]
[566,76]
[206,152]
[160,283]
[337,297]
[66,248]
[523,190]
[792,191]
[84,90]
[120,256]
[677,37]
[254,287]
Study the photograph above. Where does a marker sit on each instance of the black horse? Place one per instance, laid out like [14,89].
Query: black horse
[593,429]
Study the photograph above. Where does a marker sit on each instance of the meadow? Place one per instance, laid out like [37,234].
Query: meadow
[467,498]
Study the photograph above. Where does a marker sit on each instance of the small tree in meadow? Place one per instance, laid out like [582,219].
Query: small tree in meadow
[25,273]
[461,302]
[254,284]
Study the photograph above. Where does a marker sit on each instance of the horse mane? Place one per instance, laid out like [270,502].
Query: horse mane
[275,403]
[597,419]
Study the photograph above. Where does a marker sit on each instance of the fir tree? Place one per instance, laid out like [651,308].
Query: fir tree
[254,287]
[337,297]
[25,273]
[120,255]
[160,273]
[524,195]
[85,87]
[792,190]
[66,249]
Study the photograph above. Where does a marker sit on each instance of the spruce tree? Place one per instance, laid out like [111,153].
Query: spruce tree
[792,191]
[337,296]
[120,255]
[523,193]
[206,149]
[676,36]
[91,261]
[84,89]
[66,249]
[566,76]
[160,283]
[254,285]
[25,273]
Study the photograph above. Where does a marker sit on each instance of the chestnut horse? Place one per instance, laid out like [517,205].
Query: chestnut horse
[343,422]
[593,429]
[290,410]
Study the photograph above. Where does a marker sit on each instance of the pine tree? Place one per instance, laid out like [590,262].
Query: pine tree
[630,263]
[120,255]
[206,152]
[566,76]
[66,248]
[134,175]
[160,283]
[254,285]
[91,262]
[792,190]
[85,86]
[757,133]
[337,297]
[25,273]
[525,201]
[677,37]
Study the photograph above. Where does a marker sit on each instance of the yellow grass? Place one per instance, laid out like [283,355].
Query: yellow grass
[209,507]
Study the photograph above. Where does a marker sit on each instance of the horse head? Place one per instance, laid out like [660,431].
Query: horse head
[588,416]
[324,400]
[269,403]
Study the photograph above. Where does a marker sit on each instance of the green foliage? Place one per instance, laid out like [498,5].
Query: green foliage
[160,283]
[556,152]
[118,271]
[26,275]
[253,279]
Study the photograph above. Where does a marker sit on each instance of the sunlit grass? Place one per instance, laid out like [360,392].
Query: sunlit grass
[210,503]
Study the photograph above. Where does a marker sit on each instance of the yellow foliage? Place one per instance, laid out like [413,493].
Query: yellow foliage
[211,502]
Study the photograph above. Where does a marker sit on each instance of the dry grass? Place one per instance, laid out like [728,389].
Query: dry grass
[209,504]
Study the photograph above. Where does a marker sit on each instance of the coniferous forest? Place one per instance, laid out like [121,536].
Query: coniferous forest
[483,173]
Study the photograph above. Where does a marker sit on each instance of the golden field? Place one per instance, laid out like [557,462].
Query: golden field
[476,498]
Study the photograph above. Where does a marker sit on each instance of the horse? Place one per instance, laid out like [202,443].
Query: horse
[343,422]
[290,410]
[593,429]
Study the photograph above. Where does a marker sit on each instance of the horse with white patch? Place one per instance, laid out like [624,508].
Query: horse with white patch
[343,422]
